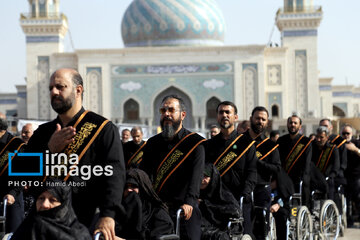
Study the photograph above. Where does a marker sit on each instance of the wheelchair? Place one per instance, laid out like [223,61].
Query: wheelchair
[267,218]
[325,216]
[237,233]
[3,219]
[300,224]
[343,215]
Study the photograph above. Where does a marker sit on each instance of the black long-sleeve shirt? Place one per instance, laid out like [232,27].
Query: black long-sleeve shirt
[241,178]
[130,149]
[102,191]
[5,187]
[333,167]
[270,165]
[183,187]
[342,156]
[301,170]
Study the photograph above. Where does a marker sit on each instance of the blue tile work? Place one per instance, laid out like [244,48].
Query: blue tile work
[172,69]
[172,22]
[342,94]
[299,33]
[97,69]
[146,88]
[325,88]
[8,101]
[21,94]
[40,39]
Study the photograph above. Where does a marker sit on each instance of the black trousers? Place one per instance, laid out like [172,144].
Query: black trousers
[15,214]
[262,201]
[190,229]
[281,217]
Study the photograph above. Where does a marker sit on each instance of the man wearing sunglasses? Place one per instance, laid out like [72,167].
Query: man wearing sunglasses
[352,172]
[174,160]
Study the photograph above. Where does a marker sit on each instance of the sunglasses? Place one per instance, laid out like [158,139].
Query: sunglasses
[345,133]
[163,110]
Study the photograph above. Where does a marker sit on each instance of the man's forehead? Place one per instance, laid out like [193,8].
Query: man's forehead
[294,119]
[171,102]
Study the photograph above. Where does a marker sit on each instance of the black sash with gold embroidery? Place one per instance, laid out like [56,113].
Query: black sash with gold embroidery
[296,152]
[175,158]
[232,154]
[338,141]
[13,145]
[324,157]
[264,148]
[88,126]
[136,158]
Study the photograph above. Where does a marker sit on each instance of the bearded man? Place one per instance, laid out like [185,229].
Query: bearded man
[233,154]
[268,165]
[174,160]
[96,143]
[295,155]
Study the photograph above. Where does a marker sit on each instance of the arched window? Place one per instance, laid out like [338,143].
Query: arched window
[211,105]
[274,111]
[131,111]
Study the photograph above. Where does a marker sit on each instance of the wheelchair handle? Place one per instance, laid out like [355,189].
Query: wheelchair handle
[98,236]
[4,210]
[178,215]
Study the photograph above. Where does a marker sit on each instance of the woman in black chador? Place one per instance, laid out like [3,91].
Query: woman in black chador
[52,216]
[147,216]
[217,205]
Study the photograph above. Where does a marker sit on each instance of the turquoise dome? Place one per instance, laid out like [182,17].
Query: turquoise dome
[173,23]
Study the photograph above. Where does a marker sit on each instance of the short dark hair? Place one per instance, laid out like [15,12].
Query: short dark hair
[180,100]
[125,130]
[273,133]
[226,103]
[77,79]
[323,129]
[259,109]
[3,124]
[214,126]
[295,116]
[135,129]
[325,119]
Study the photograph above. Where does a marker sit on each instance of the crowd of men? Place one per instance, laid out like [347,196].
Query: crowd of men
[179,169]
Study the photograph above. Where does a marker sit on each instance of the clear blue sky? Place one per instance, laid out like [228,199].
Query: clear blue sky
[96,24]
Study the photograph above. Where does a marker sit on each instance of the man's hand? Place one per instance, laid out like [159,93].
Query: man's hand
[275,208]
[187,211]
[10,199]
[106,225]
[61,138]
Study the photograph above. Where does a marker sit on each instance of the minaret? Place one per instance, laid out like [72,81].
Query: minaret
[45,29]
[298,22]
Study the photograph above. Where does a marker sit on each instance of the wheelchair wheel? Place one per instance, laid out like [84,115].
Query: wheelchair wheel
[304,224]
[344,211]
[272,228]
[329,220]
[246,237]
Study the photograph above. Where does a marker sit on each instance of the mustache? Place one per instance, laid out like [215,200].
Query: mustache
[57,98]
[168,119]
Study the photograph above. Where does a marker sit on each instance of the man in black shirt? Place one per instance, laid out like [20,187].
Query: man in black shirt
[14,196]
[352,172]
[295,156]
[325,156]
[133,150]
[268,165]
[174,160]
[234,156]
[340,145]
[96,143]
